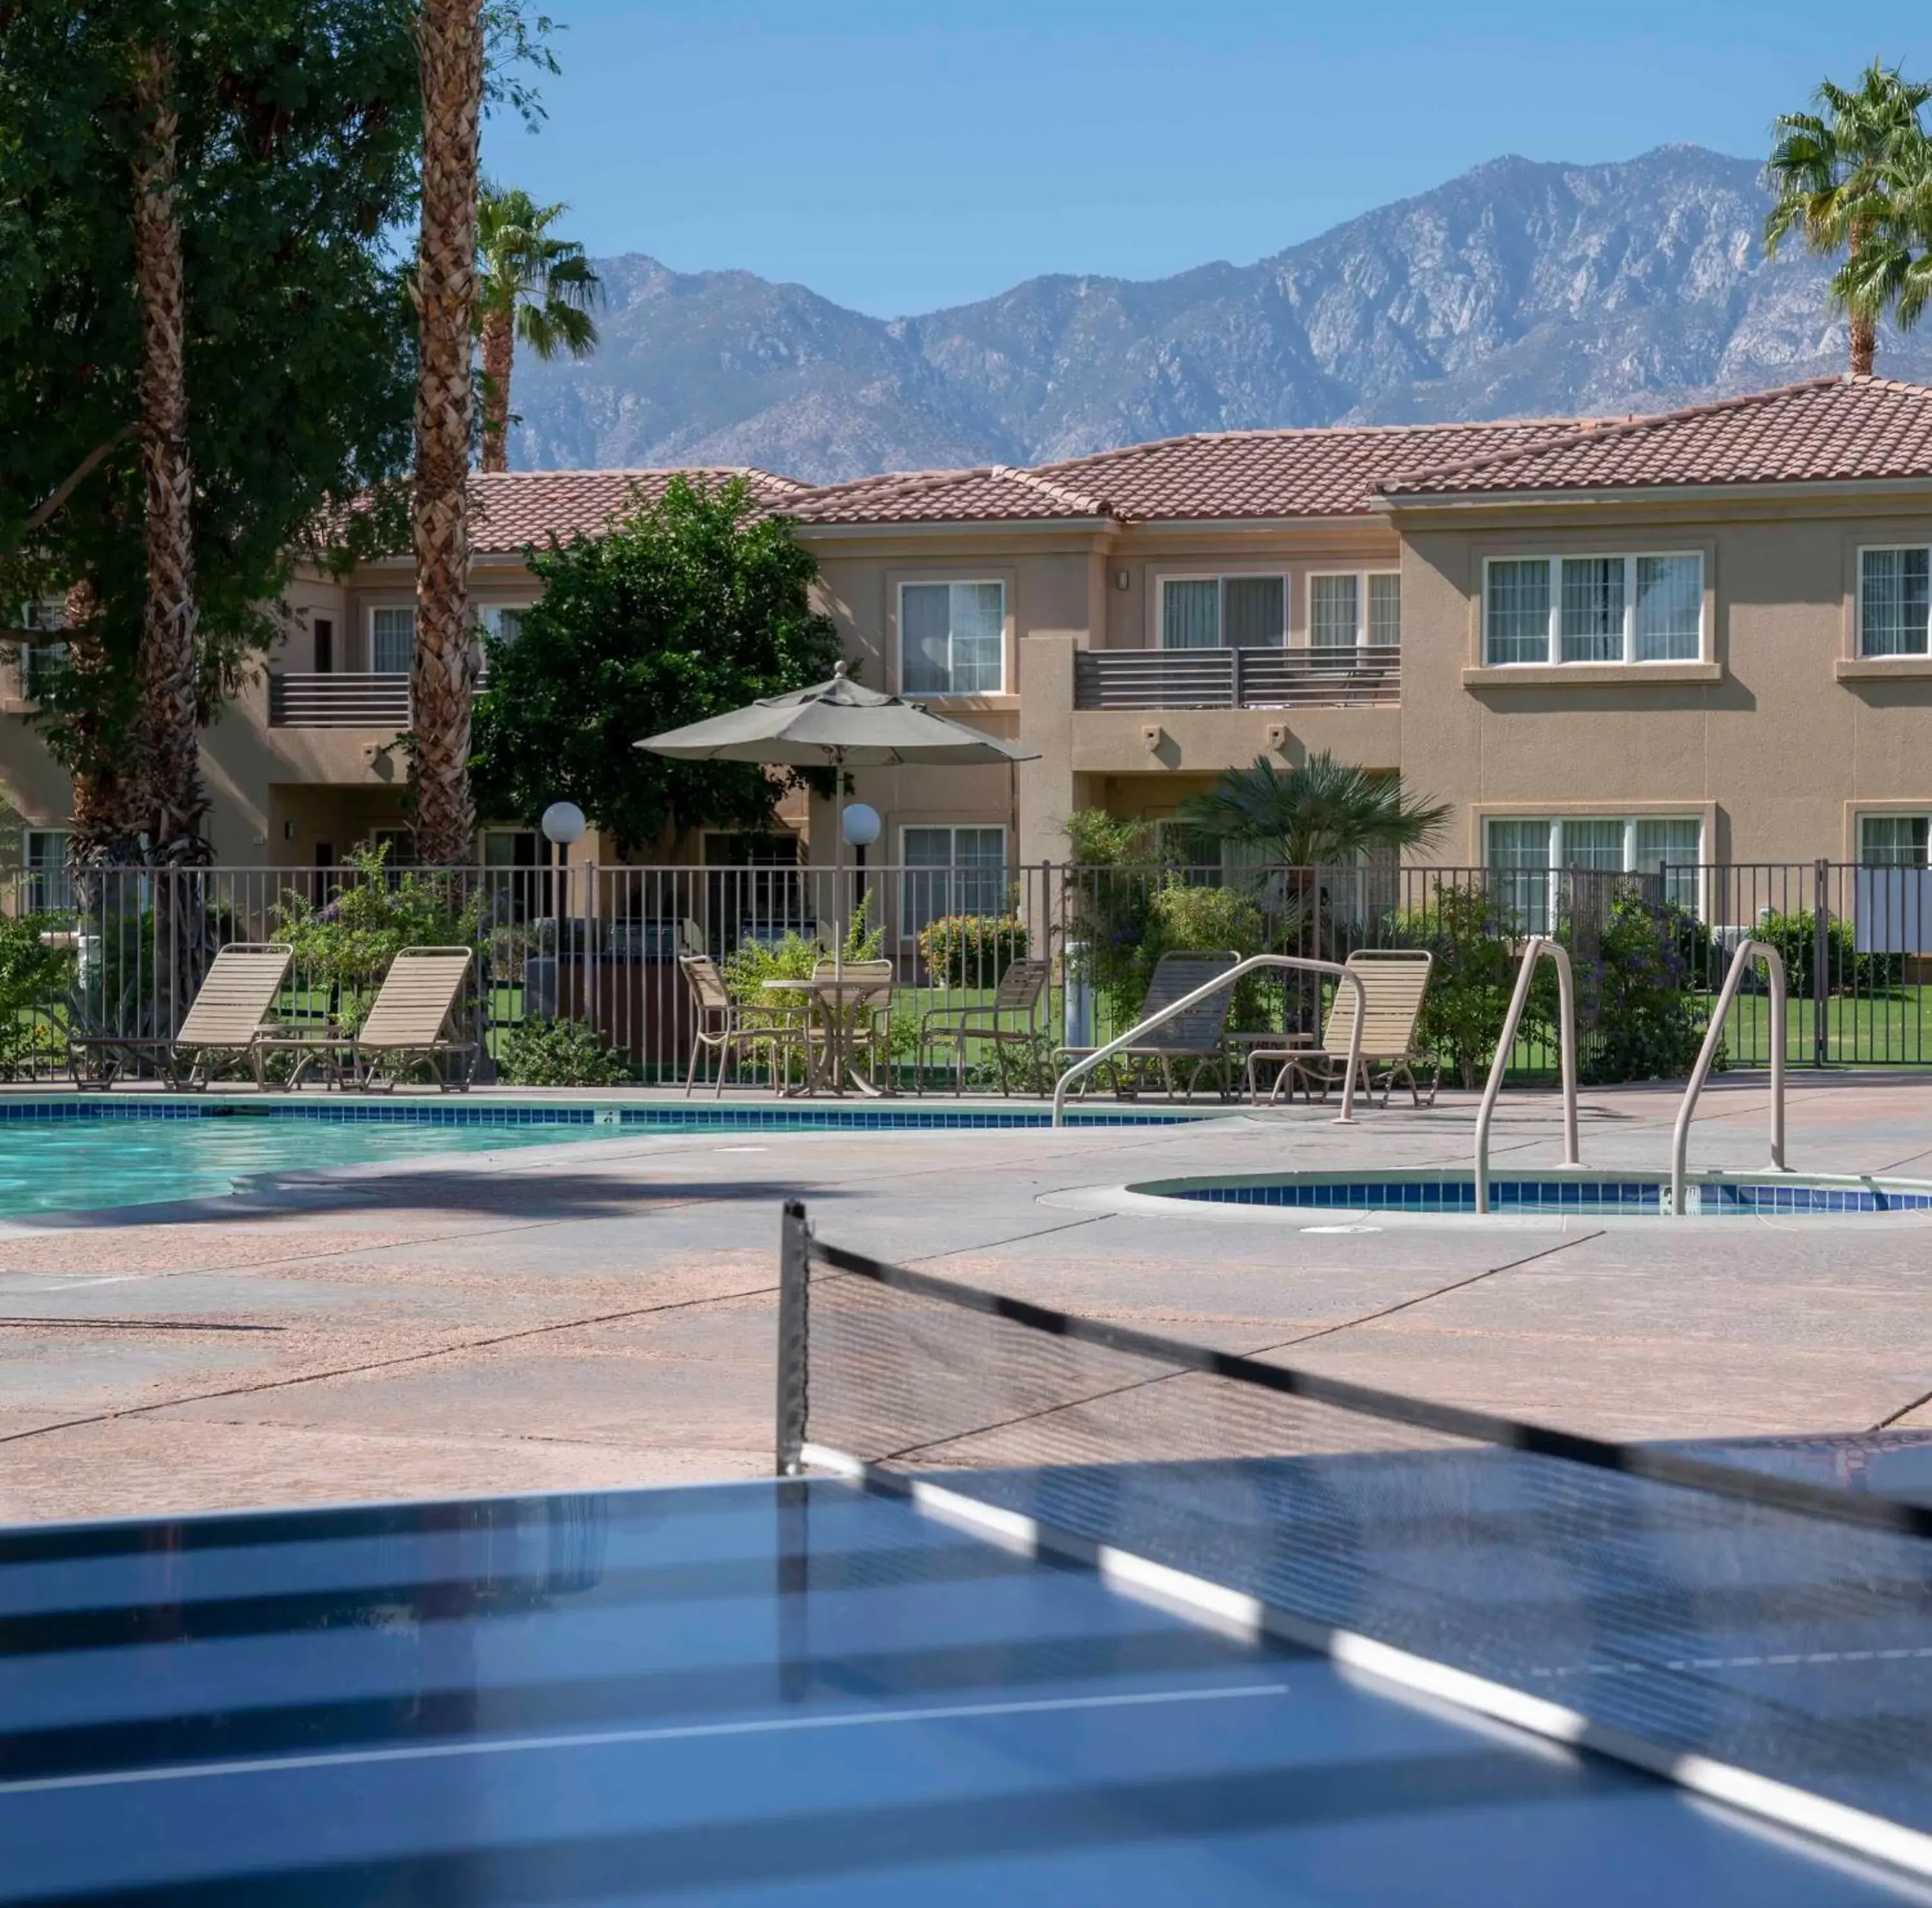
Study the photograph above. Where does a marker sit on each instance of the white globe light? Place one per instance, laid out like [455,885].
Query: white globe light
[563,823]
[860,824]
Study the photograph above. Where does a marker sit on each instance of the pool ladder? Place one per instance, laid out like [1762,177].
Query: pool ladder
[1540,947]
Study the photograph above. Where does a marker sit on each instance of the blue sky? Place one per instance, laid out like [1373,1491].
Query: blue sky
[898,157]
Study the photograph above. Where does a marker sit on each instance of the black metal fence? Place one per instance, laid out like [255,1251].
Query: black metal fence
[122,950]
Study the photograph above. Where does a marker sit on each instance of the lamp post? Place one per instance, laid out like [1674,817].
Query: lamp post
[858,824]
[563,825]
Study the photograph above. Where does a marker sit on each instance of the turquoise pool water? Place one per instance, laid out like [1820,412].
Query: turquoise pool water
[61,1155]
[57,1165]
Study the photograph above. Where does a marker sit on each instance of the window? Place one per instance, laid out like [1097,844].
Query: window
[1338,606]
[952,639]
[1593,609]
[392,641]
[1897,841]
[1223,612]
[401,843]
[1385,609]
[951,871]
[504,622]
[41,662]
[48,887]
[1894,601]
[1525,853]
[325,645]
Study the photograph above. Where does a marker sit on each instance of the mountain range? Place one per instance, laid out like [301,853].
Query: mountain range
[1521,289]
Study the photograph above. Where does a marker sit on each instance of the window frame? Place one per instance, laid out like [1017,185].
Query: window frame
[486,612]
[910,924]
[47,886]
[1866,816]
[1221,578]
[1859,651]
[1364,614]
[905,583]
[1552,657]
[1629,821]
[374,610]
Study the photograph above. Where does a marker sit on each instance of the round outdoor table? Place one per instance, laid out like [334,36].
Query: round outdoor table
[828,999]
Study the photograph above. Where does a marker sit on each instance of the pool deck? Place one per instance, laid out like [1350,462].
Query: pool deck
[600,1312]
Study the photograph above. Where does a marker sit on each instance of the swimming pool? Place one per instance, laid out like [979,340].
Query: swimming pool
[62,1154]
[1558,1192]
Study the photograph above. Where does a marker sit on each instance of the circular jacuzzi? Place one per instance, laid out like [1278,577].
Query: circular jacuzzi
[1568,1192]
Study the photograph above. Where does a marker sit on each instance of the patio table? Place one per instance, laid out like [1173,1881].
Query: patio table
[831,1001]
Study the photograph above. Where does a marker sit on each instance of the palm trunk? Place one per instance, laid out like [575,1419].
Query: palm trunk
[1864,327]
[449,49]
[169,733]
[498,348]
[176,800]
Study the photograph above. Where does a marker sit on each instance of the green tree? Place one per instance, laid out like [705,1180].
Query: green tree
[252,237]
[688,607]
[532,288]
[1319,814]
[1849,177]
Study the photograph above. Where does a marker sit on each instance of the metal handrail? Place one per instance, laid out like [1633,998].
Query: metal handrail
[1299,963]
[1535,949]
[1680,1138]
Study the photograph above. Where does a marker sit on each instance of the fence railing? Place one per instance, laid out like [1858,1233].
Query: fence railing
[1273,677]
[120,952]
[338,699]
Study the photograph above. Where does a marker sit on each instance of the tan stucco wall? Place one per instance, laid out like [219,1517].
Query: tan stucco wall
[1765,738]
[1778,739]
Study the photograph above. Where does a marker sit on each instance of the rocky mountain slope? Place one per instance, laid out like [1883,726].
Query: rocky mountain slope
[1520,289]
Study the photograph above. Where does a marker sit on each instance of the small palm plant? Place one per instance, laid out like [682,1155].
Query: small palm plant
[1322,813]
[1852,176]
[531,287]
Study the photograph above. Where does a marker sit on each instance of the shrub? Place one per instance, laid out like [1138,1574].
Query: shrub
[971,950]
[1470,981]
[562,1053]
[35,983]
[1637,994]
[1795,936]
[348,943]
[754,965]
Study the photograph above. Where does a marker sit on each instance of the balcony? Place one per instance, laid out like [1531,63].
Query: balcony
[1367,677]
[341,700]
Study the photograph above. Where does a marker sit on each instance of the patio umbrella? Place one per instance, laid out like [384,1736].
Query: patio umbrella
[837,725]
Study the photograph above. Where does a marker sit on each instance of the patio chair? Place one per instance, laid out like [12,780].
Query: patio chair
[408,1025]
[1017,997]
[1394,981]
[723,1026]
[1197,1038]
[224,1025]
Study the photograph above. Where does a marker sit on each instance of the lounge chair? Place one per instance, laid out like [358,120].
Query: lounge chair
[1016,998]
[1197,1038]
[224,1026]
[408,1025]
[1393,983]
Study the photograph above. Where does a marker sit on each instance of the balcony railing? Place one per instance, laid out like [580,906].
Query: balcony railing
[1276,678]
[340,701]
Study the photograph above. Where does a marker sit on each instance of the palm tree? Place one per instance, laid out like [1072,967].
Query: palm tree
[1321,814]
[449,53]
[1836,173]
[169,740]
[531,287]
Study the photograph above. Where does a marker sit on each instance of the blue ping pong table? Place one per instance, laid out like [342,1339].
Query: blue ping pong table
[794,1692]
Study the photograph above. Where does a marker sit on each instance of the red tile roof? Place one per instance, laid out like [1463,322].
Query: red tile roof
[509,508]
[1323,473]
[1826,430]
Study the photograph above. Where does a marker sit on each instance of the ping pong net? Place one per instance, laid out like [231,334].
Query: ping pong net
[1756,1635]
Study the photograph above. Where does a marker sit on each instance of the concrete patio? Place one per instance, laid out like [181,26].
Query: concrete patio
[601,1313]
